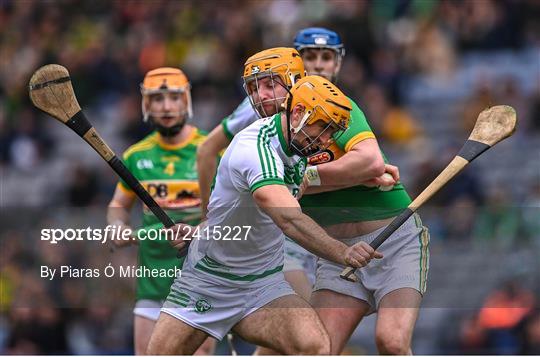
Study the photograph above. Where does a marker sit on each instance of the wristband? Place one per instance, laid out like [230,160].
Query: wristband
[312,175]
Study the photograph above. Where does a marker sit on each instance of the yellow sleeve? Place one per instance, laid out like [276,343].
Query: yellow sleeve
[358,138]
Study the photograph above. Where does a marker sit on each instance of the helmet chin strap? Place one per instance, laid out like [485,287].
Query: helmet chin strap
[293,144]
[288,116]
[293,147]
[306,116]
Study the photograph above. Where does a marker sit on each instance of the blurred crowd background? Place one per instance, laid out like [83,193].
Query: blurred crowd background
[421,70]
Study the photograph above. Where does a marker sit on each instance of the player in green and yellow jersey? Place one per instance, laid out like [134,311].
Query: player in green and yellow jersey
[165,164]
[354,201]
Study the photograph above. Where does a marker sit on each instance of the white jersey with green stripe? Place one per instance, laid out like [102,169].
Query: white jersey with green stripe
[258,156]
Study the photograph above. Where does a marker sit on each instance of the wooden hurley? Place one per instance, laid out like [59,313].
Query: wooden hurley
[493,125]
[51,91]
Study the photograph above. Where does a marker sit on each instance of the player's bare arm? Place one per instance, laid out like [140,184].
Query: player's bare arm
[285,211]
[207,154]
[362,163]
[389,178]
[118,213]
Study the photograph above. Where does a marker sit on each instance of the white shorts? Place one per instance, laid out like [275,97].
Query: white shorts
[405,265]
[215,308]
[148,309]
[298,258]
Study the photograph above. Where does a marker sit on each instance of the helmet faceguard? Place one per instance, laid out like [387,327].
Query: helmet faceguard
[161,81]
[283,66]
[321,38]
[314,144]
[252,86]
[322,101]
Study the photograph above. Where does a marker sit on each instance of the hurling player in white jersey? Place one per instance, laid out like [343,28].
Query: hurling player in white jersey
[238,285]
[299,267]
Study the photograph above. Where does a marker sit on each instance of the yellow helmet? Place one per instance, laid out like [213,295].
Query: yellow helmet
[165,79]
[323,101]
[282,62]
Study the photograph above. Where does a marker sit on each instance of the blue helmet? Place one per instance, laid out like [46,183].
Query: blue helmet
[318,37]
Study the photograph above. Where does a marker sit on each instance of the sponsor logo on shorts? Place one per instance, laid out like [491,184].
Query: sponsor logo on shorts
[202,306]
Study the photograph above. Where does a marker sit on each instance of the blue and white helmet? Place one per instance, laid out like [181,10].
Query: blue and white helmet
[321,39]
[318,37]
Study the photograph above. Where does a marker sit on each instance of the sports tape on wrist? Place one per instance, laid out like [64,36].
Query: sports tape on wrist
[312,175]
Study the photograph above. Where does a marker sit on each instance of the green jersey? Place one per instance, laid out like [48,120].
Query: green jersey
[169,174]
[358,203]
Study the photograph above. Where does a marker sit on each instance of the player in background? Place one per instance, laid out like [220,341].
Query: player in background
[392,286]
[239,285]
[164,162]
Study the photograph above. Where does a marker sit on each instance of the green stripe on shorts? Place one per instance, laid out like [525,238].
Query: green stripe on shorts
[176,301]
[179,295]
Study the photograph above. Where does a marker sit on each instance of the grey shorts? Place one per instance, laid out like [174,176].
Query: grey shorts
[216,308]
[298,258]
[405,265]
